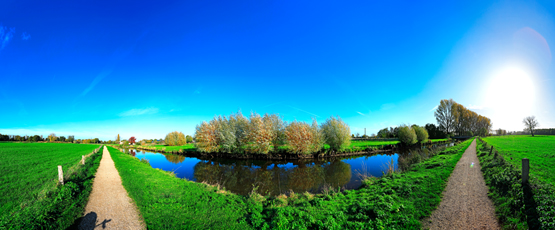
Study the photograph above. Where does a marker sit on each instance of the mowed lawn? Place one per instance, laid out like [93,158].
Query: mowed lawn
[539,149]
[27,169]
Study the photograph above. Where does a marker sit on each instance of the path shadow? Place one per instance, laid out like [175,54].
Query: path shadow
[89,222]
[530,207]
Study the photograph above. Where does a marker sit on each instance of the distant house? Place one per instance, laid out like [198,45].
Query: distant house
[121,142]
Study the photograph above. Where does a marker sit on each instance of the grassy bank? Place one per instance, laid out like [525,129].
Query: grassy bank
[518,206]
[395,201]
[31,197]
[354,147]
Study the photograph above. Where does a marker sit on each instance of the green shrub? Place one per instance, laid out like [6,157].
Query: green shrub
[336,133]
[175,139]
[407,135]
[278,129]
[421,134]
[225,133]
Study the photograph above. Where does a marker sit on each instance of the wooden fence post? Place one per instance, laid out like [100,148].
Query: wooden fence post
[491,150]
[525,170]
[60,175]
[82,159]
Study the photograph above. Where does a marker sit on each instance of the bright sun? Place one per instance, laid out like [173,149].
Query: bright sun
[511,95]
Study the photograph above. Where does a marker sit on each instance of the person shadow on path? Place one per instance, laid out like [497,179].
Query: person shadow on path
[88,222]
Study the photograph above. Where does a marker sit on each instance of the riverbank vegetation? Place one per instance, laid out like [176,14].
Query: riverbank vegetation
[395,201]
[520,206]
[31,196]
[266,134]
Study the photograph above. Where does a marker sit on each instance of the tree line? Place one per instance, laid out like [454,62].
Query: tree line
[237,134]
[50,138]
[455,119]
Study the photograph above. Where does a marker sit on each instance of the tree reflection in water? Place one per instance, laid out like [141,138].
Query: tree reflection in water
[173,158]
[273,178]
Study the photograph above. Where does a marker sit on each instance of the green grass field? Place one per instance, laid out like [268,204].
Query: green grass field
[395,201]
[29,181]
[518,206]
[539,149]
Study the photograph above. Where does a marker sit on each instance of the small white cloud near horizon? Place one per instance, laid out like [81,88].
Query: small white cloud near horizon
[361,113]
[137,112]
[434,108]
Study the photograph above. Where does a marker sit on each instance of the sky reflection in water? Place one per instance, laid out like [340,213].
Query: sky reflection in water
[271,176]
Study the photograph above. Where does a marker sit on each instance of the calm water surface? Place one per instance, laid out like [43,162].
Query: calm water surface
[273,177]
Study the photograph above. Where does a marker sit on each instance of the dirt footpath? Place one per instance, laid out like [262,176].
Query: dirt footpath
[465,203]
[109,206]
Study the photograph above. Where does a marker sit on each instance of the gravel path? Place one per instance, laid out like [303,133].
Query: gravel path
[465,203]
[109,206]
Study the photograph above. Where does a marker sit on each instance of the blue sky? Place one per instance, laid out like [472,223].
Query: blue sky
[99,68]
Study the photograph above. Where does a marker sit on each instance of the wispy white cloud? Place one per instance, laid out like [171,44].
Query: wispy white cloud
[120,54]
[137,112]
[304,111]
[6,35]
[25,36]
[434,108]
[361,113]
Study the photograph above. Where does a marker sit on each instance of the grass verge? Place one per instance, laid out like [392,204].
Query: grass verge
[167,202]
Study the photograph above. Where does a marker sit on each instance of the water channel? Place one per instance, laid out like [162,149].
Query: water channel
[276,177]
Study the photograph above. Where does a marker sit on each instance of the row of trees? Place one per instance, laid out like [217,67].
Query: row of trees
[455,119]
[50,138]
[263,134]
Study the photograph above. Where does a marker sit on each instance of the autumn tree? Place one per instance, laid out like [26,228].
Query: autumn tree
[132,140]
[52,137]
[206,137]
[259,134]
[530,123]
[175,138]
[117,139]
[454,118]
[299,137]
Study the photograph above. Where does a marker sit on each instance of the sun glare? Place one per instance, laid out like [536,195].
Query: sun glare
[511,95]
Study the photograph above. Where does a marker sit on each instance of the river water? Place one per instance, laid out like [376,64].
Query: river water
[275,177]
